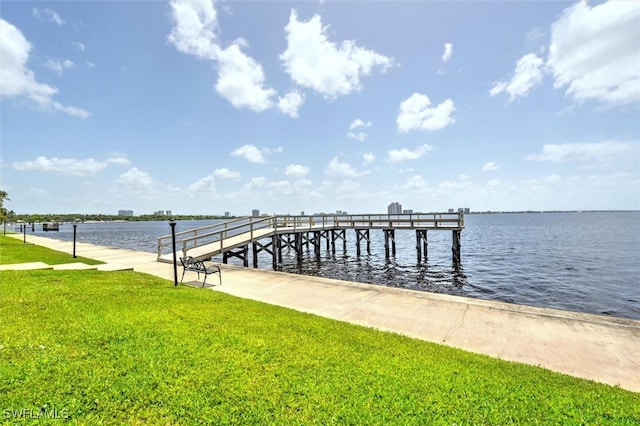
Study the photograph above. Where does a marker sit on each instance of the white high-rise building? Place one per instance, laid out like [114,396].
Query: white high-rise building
[394,208]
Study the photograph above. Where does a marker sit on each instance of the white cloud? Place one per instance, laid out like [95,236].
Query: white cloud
[312,61]
[569,152]
[250,153]
[528,74]
[256,182]
[57,66]
[78,46]
[195,28]
[290,103]
[357,123]
[415,183]
[337,168]
[396,156]
[65,166]
[415,114]
[594,52]
[16,80]
[117,158]
[206,184]
[49,15]
[368,158]
[134,180]
[490,166]
[296,170]
[448,51]
[241,79]
[226,173]
[361,136]
[494,182]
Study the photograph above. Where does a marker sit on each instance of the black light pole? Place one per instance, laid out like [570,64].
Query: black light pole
[24,230]
[173,243]
[75,226]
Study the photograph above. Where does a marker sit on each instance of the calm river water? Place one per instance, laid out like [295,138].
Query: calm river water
[585,262]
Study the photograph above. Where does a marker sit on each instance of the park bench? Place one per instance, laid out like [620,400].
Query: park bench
[198,266]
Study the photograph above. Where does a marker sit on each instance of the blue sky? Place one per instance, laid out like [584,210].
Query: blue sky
[206,107]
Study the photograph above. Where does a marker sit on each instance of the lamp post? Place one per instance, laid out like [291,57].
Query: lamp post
[24,230]
[75,226]
[173,245]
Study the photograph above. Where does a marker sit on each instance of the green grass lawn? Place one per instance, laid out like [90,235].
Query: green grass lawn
[129,348]
[13,250]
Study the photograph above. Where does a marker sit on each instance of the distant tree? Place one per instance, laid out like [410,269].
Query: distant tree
[3,212]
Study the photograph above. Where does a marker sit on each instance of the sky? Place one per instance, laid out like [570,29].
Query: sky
[207,107]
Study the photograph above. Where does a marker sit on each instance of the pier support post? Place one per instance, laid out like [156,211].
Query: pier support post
[422,244]
[389,236]
[362,234]
[455,247]
[340,234]
[298,246]
[240,254]
[258,247]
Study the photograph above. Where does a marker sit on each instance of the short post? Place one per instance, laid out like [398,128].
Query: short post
[173,245]
[75,227]
[24,230]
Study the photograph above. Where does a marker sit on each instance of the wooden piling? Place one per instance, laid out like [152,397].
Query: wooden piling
[389,236]
[422,244]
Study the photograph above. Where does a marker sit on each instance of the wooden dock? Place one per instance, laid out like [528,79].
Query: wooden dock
[273,233]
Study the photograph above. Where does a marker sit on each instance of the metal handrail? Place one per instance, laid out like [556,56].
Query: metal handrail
[288,223]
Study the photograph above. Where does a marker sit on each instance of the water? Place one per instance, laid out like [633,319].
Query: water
[584,262]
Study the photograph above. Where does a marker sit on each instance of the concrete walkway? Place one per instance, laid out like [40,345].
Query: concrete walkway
[600,348]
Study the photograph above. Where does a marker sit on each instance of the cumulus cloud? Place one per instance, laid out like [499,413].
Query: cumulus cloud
[368,158]
[416,114]
[448,51]
[398,155]
[134,180]
[296,170]
[225,173]
[241,78]
[527,75]
[250,153]
[358,124]
[206,184]
[195,28]
[290,103]
[69,166]
[490,166]
[16,80]
[593,55]
[312,61]
[574,152]
[338,168]
[594,52]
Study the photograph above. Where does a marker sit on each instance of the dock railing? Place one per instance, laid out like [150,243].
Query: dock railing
[282,224]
